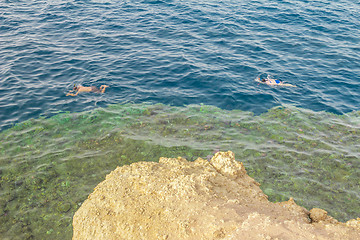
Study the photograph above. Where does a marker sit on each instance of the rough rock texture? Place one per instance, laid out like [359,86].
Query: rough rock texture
[177,199]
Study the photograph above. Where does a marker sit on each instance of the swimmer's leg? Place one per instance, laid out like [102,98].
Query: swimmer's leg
[287,85]
[103,87]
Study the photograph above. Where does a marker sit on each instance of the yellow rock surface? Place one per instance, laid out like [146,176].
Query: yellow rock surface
[178,199]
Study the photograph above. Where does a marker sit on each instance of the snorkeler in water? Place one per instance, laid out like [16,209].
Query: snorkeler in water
[80,88]
[272,82]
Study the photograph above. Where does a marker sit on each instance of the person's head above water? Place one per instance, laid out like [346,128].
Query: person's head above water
[263,80]
[75,88]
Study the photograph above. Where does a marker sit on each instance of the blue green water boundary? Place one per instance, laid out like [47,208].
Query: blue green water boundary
[50,165]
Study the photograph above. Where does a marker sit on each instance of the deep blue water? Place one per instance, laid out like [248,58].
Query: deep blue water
[177,52]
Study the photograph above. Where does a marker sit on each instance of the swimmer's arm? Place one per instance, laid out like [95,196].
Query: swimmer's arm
[71,94]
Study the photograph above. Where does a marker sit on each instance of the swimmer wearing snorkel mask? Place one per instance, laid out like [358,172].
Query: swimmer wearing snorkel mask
[78,89]
[273,82]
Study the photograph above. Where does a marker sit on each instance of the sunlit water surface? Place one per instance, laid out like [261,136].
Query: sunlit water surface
[181,77]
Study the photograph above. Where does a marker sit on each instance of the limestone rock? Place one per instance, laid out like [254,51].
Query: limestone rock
[177,199]
[318,215]
[354,223]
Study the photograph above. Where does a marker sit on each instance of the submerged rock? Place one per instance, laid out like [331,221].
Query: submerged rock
[178,199]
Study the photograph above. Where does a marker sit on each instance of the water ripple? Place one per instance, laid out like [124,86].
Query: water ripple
[177,52]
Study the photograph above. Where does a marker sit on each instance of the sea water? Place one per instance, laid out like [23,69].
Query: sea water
[181,77]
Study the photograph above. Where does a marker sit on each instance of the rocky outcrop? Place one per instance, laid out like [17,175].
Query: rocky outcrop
[177,199]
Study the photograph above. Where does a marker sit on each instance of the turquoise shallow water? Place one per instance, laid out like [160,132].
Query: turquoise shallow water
[181,76]
[50,165]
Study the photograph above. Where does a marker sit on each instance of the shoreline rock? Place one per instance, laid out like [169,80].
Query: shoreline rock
[178,199]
